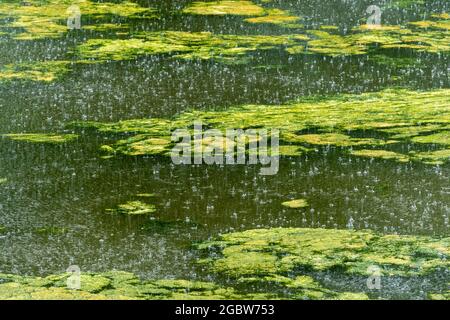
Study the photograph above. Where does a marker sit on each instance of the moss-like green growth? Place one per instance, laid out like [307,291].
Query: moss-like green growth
[335,139]
[235,48]
[119,285]
[400,113]
[281,251]
[294,204]
[381,154]
[3,180]
[183,45]
[436,157]
[442,137]
[42,137]
[134,208]
[47,19]
[277,17]
[37,71]
[224,7]
[111,285]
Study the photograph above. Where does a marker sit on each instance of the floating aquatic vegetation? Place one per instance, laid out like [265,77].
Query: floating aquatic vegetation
[34,71]
[3,180]
[234,48]
[47,19]
[257,13]
[184,45]
[277,17]
[133,208]
[381,154]
[119,285]
[432,157]
[42,137]
[442,137]
[224,7]
[111,285]
[335,139]
[294,204]
[281,251]
[389,112]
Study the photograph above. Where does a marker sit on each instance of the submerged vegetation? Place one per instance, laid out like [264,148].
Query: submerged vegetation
[133,208]
[393,112]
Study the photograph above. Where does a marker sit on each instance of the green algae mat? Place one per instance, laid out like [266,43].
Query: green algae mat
[350,103]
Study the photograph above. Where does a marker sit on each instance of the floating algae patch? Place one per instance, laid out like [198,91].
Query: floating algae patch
[282,251]
[436,157]
[381,154]
[42,137]
[225,7]
[45,71]
[442,137]
[133,208]
[408,132]
[335,139]
[235,48]
[294,204]
[48,19]
[115,285]
[277,17]
[119,285]
[184,45]
[389,112]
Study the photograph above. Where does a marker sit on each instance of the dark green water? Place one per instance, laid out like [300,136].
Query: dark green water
[70,187]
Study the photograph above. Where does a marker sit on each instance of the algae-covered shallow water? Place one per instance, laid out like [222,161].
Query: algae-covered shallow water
[86,178]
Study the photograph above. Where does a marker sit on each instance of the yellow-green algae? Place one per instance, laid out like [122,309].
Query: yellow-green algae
[294,204]
[388,112]
[283,251]
[436,157]
[133,208]
[119,285]
[381,154]
[3,180]
[42,137]
[45,71]
[37,19]
[234,48]
[273,261]
[225,7]
[442,137]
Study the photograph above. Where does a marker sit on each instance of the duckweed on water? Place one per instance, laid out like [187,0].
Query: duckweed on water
[397,112]
[42,137]
[133,208]
[282,251]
